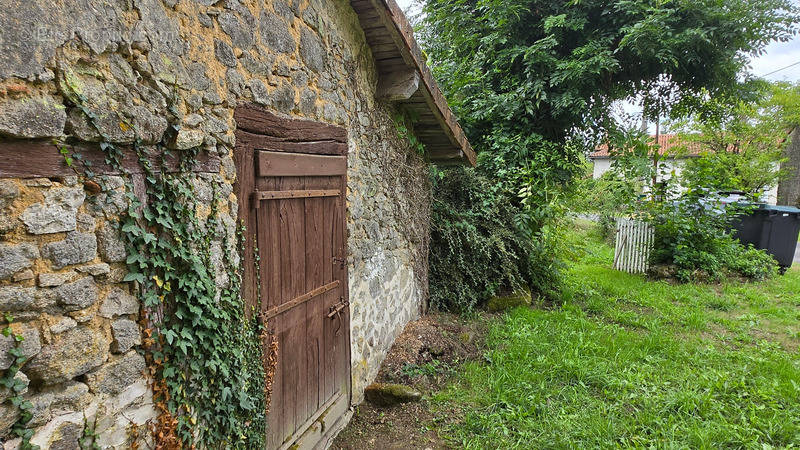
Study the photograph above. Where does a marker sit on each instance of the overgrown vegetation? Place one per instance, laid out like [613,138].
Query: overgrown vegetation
[627,362]
[15,387]
[532,83]
[693,234]
[476,251]
[741,151]
[203,349]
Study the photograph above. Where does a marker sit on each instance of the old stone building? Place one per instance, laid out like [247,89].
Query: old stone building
[295,114]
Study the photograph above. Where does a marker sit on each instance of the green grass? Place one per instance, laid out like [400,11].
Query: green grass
[629,362]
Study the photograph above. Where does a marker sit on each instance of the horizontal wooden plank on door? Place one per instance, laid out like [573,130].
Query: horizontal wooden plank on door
[274,164]
[258,196]
[301,299]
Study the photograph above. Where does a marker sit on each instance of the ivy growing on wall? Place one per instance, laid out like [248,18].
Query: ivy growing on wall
[404,123]
[203,350]
[16,387]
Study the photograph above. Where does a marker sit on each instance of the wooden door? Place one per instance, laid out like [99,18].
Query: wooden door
[297,274]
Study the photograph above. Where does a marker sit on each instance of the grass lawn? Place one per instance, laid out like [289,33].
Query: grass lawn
[629,362]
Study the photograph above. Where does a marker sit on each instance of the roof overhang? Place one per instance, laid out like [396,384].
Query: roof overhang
[404,78]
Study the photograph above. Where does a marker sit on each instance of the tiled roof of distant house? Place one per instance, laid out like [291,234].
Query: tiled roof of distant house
[668,144]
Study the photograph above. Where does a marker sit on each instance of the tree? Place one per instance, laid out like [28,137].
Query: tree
[532,82]
[785,103]
[745,144]
[743,152]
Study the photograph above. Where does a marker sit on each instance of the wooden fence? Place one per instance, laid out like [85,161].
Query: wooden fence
[633,244]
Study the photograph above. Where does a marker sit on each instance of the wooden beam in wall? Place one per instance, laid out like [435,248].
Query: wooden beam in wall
[256,120]
[398,85]
[41,159]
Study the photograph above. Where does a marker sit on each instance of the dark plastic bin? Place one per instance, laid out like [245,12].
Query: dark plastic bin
[771,228]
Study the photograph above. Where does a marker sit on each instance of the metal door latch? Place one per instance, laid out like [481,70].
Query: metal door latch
[337,308]
[336,311]
[340,261]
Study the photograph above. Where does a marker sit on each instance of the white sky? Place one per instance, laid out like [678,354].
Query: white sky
[778,55]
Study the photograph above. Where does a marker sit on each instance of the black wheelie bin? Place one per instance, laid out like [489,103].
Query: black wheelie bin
[771,228]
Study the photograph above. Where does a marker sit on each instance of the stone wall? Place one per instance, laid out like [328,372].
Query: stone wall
[138,65]
[61,267]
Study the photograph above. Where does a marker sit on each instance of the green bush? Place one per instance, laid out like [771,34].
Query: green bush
[476,249]
[692,233]
[609,197]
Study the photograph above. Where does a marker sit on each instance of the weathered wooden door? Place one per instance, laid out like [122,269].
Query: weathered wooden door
[292,174]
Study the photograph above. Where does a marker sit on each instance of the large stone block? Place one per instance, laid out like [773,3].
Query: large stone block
[5,392]
[112,248]
[77,295]
[126,335]
[14,258]
[67,437]
[38,117]
[78,351]
[55,279]
[16,299]
[224,53]
[31,345]
[259,91]
[118,374]
[118,303]
[63,324]
[58,212]
[312,50]
[8,417]
[275,33]
[8,192]
[75,249]
[56,400]
[241,35]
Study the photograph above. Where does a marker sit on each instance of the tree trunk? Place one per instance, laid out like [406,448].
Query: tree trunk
[789,187]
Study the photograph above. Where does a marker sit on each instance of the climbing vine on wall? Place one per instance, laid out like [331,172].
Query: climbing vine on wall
[203,351]
[403,172]
[403,123]
[16,387]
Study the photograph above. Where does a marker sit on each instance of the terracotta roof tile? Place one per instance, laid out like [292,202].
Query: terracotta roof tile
[668,143]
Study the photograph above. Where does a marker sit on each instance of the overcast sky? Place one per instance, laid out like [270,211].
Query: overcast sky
[778,56]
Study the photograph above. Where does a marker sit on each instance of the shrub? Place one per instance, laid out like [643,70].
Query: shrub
[477,251]
[608,197]
[693,234]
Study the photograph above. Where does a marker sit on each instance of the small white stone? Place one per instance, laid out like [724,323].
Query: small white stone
[55,279]
[95,269]
[66,323]
[24,275]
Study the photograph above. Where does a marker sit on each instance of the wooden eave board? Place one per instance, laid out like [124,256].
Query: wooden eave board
[391,39]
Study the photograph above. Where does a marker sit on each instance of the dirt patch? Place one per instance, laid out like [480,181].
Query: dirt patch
[425,355]
[408,426]
[427,351]
[788,342]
